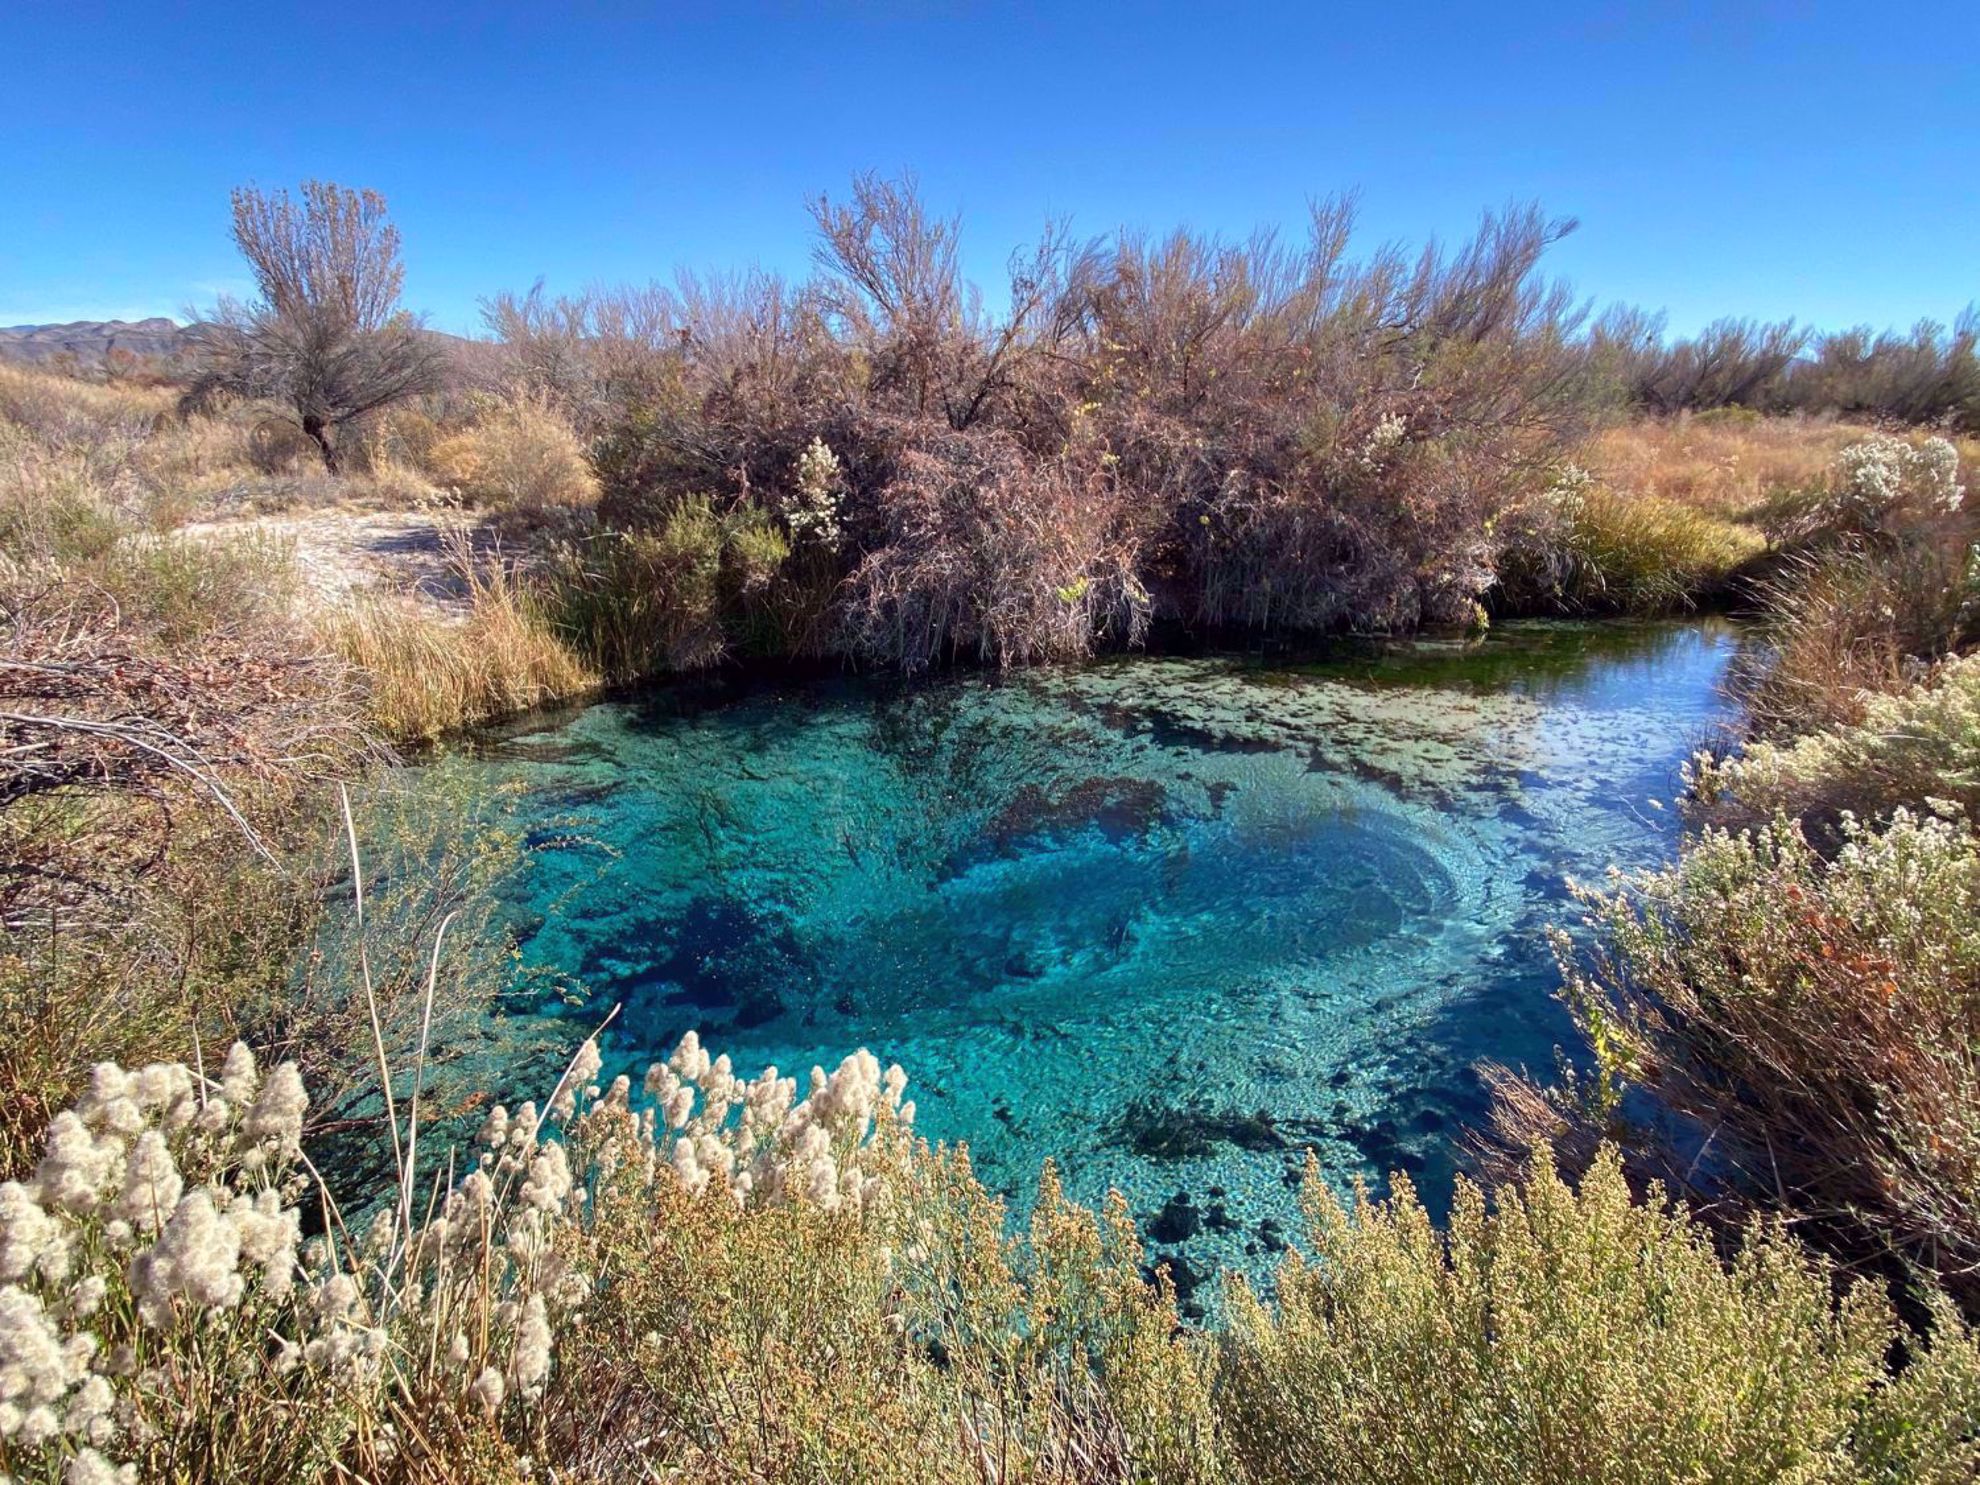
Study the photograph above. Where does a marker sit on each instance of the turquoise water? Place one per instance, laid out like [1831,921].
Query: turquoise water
[1170,921]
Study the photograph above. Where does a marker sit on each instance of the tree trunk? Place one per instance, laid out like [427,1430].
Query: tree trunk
[319,433]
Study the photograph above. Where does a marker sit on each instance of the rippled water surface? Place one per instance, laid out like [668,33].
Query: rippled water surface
[1171,921]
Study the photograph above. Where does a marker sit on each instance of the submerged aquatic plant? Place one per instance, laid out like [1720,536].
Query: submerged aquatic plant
[1161,1130]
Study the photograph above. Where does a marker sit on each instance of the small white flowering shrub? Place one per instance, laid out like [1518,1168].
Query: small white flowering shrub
[1919,744]
[1383,440]
[1879,474]
[818,485]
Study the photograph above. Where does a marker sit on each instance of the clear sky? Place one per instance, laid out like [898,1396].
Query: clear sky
[1817,160]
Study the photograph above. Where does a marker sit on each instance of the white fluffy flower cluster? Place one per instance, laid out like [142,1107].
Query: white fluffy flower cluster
[1876,474]
[111,1206]
[1567,492]
[1383,439]
[166,1201]
[497,1235]
[811,507]
[759,1139]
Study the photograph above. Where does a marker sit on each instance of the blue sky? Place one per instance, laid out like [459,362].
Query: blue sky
[1817,160]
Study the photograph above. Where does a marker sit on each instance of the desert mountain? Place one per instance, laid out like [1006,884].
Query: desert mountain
[90,341]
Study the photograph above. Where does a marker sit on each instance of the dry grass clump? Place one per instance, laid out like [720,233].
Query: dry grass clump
[426,674]
[1576,1334]
[1731,464]
[60,410]
[1844,623]
[520,459]
[135,452]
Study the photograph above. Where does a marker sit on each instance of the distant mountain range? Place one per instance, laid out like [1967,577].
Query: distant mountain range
[90,341]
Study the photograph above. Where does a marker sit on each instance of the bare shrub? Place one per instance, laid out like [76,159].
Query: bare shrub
[1331,441]
[1843,623]
[1930,376]
[1223,434]
[1730,363]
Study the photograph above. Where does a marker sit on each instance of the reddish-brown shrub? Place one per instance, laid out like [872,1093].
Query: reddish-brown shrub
[984,550]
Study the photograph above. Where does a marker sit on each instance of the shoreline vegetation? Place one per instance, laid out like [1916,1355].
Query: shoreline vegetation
[1736,1236]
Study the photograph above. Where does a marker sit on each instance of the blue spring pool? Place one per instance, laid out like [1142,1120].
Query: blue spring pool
[1171,922]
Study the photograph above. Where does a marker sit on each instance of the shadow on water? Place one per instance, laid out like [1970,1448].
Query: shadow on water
[1173,921]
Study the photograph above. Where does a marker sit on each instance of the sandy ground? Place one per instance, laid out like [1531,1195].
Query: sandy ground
[341,553]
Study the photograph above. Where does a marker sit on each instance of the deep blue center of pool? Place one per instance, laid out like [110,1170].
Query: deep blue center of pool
[1172,922]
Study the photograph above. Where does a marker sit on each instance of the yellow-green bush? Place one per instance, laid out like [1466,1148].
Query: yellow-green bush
[1593,549]
[670,597]
[1639,554]
[1569,1336]
[184,589]
[520,459]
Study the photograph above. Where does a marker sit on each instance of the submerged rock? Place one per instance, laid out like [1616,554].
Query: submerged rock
[1177,1222]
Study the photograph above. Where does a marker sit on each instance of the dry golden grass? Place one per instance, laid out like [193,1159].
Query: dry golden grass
[428,675]
[51,403]
[1731,466]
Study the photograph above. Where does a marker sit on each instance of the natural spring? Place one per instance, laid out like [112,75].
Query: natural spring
[1172,921]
